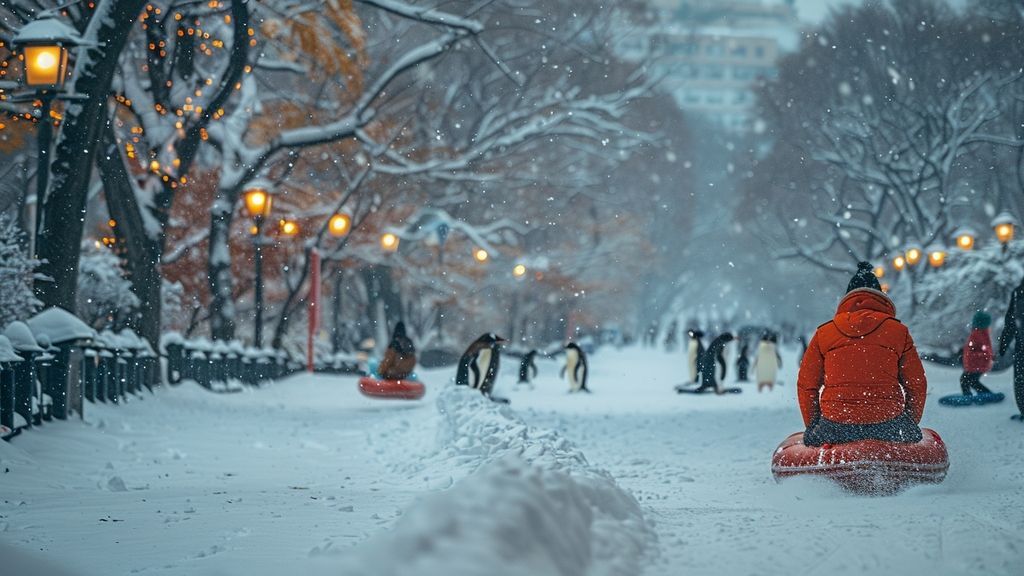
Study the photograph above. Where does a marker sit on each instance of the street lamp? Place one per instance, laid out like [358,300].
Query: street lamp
[964,238]
[913,255]
[389,242]
[258,202]
[480,255]
[936,255]
[288,227]
[879,271]
[44,45]
[339,225]
[898,263]
[519,271]
[1004,224]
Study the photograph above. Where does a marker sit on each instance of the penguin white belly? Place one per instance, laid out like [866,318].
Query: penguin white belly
[692,355]
[483,362]
[767,364]
[572,358]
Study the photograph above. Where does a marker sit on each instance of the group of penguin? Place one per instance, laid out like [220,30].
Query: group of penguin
[478,365]
[703,362]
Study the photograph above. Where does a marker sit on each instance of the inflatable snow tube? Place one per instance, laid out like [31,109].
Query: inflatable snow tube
[393,389]
[866,466]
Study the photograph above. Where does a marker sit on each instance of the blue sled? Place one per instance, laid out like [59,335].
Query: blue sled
[972,399]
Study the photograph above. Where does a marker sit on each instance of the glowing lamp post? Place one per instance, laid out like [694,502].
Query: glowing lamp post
[936,256]
[288,228]
[519,271]
[339,225]
[258,202]
[913,255]
[389,242]
[898,263]
[1004,225]
[44,45]
[480,255]
[964,238]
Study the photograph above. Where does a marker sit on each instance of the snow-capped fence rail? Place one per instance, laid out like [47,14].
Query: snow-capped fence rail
[53,364]
[223,366]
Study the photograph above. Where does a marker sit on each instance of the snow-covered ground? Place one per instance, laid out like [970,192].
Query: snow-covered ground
[306,475]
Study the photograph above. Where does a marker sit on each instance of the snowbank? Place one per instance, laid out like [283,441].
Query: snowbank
[529,504]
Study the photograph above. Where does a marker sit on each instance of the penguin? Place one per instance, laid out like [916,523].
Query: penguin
[707,362]
[575,368]
[478,366]
[527,366]
[400,357]
[694,352]
[743,363]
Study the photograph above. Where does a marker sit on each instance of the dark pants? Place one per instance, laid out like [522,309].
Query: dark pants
[972,381]
[901,429]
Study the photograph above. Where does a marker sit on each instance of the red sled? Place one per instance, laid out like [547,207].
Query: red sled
[865,466]
[392,389]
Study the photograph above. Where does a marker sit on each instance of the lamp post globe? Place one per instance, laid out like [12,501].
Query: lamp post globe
[913,254]
[389,242]
[288,227]
[43,44]
[519,270]
[898,263]
[936,255]
[480,255]
[339,225]
[258,201]
[1004,225]
[964,238]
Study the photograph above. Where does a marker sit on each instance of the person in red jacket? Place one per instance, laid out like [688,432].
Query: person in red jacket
[861,377]
[977,355]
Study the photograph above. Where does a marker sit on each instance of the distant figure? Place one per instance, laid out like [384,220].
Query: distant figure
[707,362]
[861,377]
[978,355]
[478,367]
[528,368]
[742,362]
[767,362]
[723,361]
[575,368]
[694,351]
[651,336]
[672,336]
[400,357]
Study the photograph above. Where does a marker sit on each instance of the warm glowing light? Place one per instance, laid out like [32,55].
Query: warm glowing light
[288,227]
[519,271]
[339,225]
[937,257]
[1004,224]
[112,223]
[965,241]
[154,166]
[879,271]
[913,256]
[481,255]
[1004,233]
[44,66]
[899,263]
[885,287]
[389,242]
[258,202]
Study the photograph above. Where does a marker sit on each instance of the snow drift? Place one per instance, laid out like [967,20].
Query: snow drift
[529,504]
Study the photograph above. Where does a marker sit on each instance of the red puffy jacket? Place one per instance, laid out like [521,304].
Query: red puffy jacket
[978,352]
[862,367]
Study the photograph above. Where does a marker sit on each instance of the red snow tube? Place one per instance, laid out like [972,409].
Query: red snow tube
[866,466]
[397,389]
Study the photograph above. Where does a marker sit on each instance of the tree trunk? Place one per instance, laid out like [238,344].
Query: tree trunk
[222,305]
[143,253]
[75,154]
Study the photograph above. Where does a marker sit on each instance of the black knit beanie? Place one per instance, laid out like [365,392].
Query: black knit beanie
[864,278]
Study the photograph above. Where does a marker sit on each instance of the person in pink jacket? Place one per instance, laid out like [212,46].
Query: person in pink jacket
[977,355]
